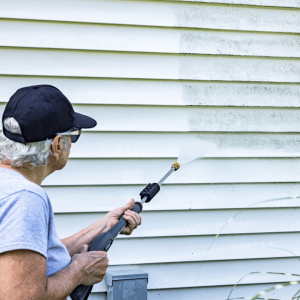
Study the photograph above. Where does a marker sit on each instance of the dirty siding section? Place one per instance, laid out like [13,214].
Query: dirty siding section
[151,73]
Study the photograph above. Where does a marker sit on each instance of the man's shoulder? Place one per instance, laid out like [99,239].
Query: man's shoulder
[16,185]
[33,188]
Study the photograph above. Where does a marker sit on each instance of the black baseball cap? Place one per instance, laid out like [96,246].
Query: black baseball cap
[42,111]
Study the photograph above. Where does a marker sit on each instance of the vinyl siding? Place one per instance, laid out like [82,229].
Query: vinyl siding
[154,73]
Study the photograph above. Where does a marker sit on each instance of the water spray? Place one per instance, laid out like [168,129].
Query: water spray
[104,240]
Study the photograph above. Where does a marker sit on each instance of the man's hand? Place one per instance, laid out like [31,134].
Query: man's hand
[93,265]
[133,218]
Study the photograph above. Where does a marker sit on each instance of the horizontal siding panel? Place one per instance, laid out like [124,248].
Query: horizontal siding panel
[167,145]
[141,171]
[227,247]
[16,61]
[155,92]
[163,276]
[19,33]
[219,293]
[176,119]
[68,199]
[190,119]
[213,293]
[154,13]
[268,3]
[187,223]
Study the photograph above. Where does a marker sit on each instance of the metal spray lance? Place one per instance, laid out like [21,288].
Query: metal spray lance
[104,240]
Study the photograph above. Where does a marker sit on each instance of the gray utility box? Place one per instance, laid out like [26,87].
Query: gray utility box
[127,285]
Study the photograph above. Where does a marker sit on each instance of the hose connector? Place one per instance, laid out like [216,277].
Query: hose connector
[150,191]
[176,165]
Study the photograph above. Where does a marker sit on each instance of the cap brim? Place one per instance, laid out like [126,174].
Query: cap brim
[83,121]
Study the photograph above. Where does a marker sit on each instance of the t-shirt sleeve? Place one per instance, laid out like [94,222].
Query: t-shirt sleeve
[24,218]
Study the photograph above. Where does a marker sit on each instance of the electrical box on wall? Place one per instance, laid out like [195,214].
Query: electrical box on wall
[127,285]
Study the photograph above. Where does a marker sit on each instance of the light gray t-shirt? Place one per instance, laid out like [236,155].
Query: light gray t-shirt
[27,220]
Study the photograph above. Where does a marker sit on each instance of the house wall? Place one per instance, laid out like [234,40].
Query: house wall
[153,73]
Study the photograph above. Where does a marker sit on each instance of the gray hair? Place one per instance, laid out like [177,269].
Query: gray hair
[37,153]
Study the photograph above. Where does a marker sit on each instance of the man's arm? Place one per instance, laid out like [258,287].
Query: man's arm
[85,236]
[23,275]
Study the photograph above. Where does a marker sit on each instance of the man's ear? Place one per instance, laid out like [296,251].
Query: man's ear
[57,146]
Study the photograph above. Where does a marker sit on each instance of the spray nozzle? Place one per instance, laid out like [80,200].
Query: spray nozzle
[176,165]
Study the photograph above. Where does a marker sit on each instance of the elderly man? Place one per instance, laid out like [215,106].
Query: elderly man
[39,125]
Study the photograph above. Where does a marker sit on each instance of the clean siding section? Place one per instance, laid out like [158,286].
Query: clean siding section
[154,73]
[103,198]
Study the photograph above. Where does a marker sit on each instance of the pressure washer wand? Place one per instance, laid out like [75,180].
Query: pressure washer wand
[103,241]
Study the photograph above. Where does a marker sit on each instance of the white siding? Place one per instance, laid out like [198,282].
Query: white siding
[154,73]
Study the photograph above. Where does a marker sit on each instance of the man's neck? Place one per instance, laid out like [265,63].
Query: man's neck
[36,175]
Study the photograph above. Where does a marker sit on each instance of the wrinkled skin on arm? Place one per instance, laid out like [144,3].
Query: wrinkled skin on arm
[23,275]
